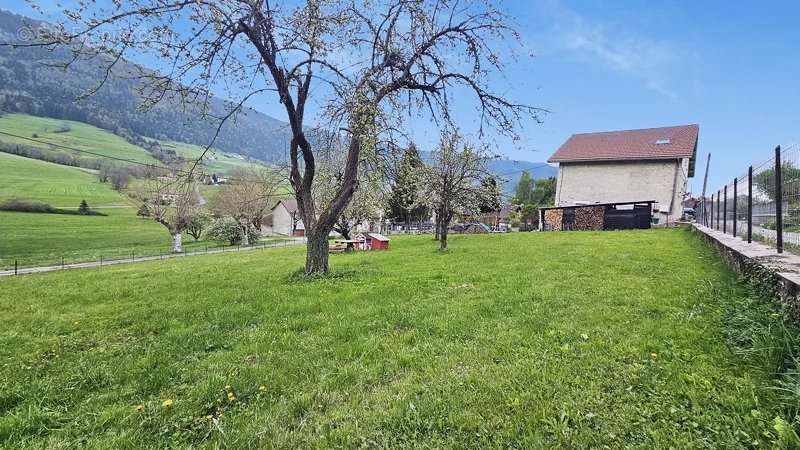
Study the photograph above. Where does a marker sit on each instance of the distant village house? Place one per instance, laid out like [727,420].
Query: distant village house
[285,219]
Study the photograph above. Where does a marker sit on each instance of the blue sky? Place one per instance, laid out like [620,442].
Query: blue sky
[731,67]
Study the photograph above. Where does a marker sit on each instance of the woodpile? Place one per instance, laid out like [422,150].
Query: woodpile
[589,218]
[553,219]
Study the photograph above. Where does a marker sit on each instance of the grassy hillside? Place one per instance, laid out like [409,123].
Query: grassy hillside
[36,238]
[533,340]
[215,161]
[71,134]
[61,186]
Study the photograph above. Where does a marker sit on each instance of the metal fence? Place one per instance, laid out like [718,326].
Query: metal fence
[22,264]
[762,205]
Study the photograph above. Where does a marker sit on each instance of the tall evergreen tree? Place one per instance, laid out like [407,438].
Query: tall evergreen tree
[405,201]
[523,193]
[83,208]
[491,195]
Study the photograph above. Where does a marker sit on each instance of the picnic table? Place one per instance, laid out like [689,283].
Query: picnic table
[350,244]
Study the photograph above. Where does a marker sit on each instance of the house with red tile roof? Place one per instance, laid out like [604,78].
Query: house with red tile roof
[627,166]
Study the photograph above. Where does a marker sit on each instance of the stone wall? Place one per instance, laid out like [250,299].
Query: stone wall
[771,273]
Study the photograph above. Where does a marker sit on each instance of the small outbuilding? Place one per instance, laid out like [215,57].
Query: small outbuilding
[376,241]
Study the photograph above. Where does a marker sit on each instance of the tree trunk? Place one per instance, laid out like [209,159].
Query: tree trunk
[317,252]
[245,237]
[177,240]
[437,224]
[443,237]
[343,227]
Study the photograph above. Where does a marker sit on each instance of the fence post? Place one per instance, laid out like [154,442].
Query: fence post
[711,213]
[735,201]
[778,199]
[133,256]
[725,209]
[718,204]
[15,267]
[750,205]
[62,262]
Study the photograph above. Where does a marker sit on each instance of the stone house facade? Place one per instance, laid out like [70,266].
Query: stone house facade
[628,166]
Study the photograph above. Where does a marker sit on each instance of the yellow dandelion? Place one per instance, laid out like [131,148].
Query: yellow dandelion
[653,355]
[231,397]
[262,388]
[140,408]
[227,387]
[167,403]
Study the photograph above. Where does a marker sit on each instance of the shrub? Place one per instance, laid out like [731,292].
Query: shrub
[63,128]
[225,230]
[33,206]
[27,206]
[253,234]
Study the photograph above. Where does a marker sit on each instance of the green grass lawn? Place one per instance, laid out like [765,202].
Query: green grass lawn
[80,135]
[42,239]
[60,186]
[567,340]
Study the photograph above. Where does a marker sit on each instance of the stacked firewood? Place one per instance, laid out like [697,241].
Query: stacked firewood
[589,218]
[553,219]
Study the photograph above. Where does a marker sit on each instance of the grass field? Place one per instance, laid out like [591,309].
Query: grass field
[215,161]
[565,340]
[80,135]
[42,239]
[58,185]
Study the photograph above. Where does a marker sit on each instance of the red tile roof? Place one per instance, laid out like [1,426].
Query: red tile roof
[290,204]
[673,142]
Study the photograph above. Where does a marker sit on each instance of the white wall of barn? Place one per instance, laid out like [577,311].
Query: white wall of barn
[281,221]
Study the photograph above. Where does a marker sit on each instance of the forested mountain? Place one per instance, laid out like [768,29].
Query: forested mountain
[510,171]
[28,85]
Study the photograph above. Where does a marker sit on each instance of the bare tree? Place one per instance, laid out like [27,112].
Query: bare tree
[173,202]
[456,178]
[120,177]
[370,63]
[248,197]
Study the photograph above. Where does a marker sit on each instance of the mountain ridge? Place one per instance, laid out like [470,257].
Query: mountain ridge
[28,86]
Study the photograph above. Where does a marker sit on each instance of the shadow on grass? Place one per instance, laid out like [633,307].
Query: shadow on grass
[300,276]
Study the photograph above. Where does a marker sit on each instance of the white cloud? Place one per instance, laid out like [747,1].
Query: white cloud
[650,61]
